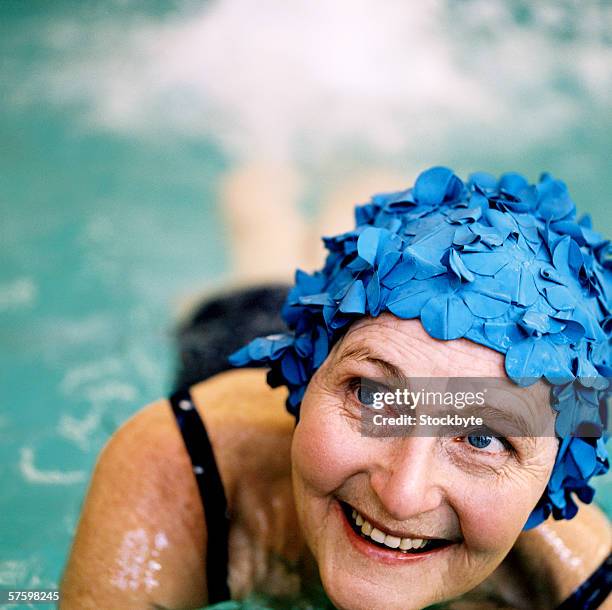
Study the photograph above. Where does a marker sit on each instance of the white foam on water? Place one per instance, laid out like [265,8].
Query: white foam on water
[271,79]
[13,571]
[147,367]
[83,374]
[97,389]
[32,474]
[112,391]
[19,293]
[79,431]
[66,332]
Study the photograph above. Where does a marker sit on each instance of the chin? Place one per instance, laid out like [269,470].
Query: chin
[358,575]
[349,591]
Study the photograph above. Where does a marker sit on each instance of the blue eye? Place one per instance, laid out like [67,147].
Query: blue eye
[365,395]
[487,443]
[480,442]
[365,390]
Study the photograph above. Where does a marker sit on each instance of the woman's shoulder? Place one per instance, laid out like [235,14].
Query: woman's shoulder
[236,396]
[564,554]
[242,396]
[248,425]
[143,489]
[245,419]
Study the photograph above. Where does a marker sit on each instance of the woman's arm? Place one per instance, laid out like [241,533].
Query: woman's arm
[563,554]
[140,540]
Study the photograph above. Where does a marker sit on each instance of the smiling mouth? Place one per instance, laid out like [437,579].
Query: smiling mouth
[383,540]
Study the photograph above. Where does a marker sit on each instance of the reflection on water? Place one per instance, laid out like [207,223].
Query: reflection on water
[134,137]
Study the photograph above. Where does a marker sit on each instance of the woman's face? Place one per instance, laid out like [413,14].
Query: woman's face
[469,503]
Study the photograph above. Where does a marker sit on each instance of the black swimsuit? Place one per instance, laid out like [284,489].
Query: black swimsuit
[588,596]
[211,492]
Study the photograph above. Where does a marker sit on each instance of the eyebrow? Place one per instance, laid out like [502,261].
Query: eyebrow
[357,352]
[520,425]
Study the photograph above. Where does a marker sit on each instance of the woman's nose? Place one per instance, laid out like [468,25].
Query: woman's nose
[406,477]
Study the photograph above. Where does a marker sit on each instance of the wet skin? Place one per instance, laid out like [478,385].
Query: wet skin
[287,485]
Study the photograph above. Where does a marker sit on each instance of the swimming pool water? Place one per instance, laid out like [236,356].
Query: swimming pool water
[106,231]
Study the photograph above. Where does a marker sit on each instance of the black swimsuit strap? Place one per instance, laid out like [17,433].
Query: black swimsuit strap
[211,490]
[593,591]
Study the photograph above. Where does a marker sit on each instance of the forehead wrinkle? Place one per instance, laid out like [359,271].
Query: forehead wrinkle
[443,353]
[367,346]
[531,398]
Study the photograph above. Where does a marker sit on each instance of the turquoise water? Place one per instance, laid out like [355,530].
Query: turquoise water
[110,170]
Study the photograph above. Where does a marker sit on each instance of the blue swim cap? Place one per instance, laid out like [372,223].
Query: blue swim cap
[503,263]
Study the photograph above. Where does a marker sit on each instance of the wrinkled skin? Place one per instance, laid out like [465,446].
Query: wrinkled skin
[144,482]
[423,487]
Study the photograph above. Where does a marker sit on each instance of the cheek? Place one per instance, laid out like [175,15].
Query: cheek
[488,523]
[492,516]
[325,450]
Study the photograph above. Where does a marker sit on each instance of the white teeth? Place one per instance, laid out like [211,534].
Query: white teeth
[405,544]
[366,528]
[393,542]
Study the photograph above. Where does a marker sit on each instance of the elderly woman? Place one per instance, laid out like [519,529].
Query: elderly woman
[218,492]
